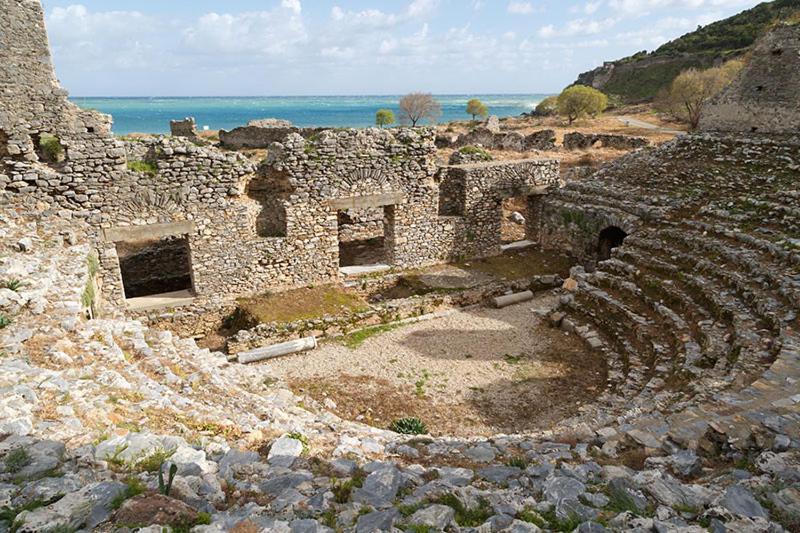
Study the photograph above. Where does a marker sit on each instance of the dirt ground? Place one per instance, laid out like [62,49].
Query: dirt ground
[473,372]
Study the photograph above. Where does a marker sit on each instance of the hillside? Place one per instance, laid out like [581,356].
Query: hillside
[640,76]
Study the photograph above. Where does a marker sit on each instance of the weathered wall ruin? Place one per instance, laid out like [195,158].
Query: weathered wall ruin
[764,97]
[246,228]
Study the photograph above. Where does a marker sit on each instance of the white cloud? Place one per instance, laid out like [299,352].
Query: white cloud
[520,8]
[577,27]
[292,5]
[121,39]
[642,7]
[263,33]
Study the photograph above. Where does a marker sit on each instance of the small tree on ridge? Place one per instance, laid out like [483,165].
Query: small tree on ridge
[384,117]
[689,92]
[415,107]
[476,108]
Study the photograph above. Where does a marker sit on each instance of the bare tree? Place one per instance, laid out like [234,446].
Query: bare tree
[415,107]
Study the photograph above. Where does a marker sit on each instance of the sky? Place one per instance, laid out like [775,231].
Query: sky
[354,47]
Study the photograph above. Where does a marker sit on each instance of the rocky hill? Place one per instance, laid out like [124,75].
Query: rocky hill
[640,76]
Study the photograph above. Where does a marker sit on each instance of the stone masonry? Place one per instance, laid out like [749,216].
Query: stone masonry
[248,228]
[764,98]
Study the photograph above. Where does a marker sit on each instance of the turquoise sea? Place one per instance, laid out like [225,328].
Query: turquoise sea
[152,114]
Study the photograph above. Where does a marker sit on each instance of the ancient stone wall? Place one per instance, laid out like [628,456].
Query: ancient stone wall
[248,229]
[259,134]
[583,141]
[765,97]
[183,128]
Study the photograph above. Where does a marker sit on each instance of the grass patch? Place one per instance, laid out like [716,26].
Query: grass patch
[133,487]
[301,438]
[302,304]
[467,517]
[517,462]
[519,265]
[143,167]
[532,517]
[4,321]
[16,460]
[152,462]
[343,489]
[357,338]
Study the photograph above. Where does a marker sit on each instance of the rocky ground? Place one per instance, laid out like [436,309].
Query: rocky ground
[92,410]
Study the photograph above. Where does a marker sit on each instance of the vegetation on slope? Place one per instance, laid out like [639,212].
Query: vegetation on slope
[641,76]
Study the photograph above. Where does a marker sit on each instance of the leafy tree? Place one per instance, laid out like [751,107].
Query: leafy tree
[476,108]
[692,89]
[547,107]
[415,107]
[579,100]
[384,117]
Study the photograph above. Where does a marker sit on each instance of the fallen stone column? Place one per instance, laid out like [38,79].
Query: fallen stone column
[511,299]
[278,350]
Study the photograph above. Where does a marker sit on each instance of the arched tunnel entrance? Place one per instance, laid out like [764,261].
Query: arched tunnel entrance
[610,238]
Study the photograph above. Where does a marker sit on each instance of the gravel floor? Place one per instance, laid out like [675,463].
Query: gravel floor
[482,370]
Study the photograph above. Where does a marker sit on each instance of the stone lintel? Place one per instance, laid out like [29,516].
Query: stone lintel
[533,190]
[359,202]
[148,232]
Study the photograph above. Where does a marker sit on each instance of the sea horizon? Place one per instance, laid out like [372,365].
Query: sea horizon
[152,114]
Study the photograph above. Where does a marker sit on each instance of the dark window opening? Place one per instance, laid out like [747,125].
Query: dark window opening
[610,238]
[154,267]
[90,129]
[363,236]
[777,52]
[760,88]
[49,149]
[753,129]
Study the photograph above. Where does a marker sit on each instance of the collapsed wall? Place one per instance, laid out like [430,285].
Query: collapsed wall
[764,97]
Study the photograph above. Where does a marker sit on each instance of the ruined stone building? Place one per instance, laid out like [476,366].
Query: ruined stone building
[172,217]
[764,98]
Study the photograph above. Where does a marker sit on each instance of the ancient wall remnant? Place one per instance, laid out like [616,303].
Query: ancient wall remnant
[259,134]
[765,97]
[508,141]
[168,215]
[583,141]
[183,128]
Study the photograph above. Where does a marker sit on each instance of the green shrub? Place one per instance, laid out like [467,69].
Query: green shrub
[547,107]
[13,284]
[476,108]
[50,149]
[480,153]
[384,117]
[579,101]
[4,321]
[409,426]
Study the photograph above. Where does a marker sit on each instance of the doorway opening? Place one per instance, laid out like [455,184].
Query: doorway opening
[156,267]
[363,236]
[610,238]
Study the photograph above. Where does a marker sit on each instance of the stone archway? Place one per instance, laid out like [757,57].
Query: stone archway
[610,238]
